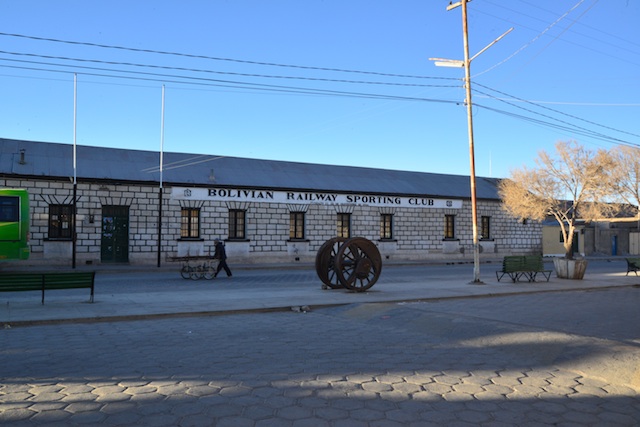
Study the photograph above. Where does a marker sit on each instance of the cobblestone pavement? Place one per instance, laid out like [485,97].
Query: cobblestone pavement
[564,359]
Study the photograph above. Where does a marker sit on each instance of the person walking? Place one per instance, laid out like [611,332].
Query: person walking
[221,255]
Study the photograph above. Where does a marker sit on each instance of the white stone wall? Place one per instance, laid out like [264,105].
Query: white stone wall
[418,233]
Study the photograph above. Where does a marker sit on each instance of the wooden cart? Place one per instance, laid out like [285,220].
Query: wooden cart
[197,267]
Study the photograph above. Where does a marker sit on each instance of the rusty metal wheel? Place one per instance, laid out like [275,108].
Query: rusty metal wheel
[325,262]
[358,264]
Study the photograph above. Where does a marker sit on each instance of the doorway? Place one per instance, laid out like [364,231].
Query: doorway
[115,234]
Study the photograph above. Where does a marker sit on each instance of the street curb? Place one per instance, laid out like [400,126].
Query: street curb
[216,313]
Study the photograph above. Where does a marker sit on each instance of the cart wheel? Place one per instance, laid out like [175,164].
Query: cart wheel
[184,272]
[358,264]
[209,271]
[196,273]
[325,263]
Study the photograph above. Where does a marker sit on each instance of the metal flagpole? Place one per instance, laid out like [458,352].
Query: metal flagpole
[160,189]
[75,182]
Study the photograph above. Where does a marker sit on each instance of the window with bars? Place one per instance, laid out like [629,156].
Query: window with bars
[237,224]
[449,226]
[386,226]
[296,225]
[190,223]
[344,225]
[485,227]
[60,217]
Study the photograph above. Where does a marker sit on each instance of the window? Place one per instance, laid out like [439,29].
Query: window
[485,227]
[344,225]
[190,223]
[449,226]
[296,225]
[60,217]
[9,209]
[237,224]
[386,226]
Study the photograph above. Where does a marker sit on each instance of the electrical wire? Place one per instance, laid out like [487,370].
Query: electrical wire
[242,85]
[196,70]
[560,127]
[526,45]
[213,58]
[201,81]
[550,109]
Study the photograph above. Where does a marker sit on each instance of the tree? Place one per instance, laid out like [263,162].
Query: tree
[575,184]
[626,175]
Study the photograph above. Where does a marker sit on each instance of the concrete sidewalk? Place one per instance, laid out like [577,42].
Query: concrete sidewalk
[254,289]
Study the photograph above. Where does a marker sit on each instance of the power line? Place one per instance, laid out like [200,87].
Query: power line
[526,45]
[560,127]
[231,84]
[533,40]
[587,26]
[213,58]
[196,70]
[202,81]
[551,109]
[208,82]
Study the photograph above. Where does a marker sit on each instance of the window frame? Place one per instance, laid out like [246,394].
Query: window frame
[191,224]
[55,212]
[343,222]
[449,227]
[9,208]
[485,225]
[237,224]
[386,227]
[296,225]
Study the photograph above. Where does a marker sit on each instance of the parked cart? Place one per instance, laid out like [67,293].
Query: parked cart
[197,267]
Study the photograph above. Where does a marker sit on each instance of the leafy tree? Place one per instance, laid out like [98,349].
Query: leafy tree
[626,175]
[573,184]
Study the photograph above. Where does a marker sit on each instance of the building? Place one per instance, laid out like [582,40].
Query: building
[612,236]
[265,211]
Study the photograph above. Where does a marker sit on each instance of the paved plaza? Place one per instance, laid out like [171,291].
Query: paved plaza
[521,359]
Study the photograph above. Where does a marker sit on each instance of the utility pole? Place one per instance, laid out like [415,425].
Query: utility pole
[472,162]
[466,63]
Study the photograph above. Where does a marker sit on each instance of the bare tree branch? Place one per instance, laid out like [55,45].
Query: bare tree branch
[574,184]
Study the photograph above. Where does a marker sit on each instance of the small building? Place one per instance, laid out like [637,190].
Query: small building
[128,210]
[614,236]
[553,239]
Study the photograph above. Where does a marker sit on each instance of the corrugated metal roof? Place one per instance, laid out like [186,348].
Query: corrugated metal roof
[98,163]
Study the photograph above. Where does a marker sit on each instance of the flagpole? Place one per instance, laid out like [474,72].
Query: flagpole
[75,181]
[160,188]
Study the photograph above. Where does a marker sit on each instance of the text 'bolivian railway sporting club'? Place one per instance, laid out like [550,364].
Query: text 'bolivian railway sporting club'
[297,197]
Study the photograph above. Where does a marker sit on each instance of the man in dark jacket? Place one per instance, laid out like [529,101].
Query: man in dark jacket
[221,255]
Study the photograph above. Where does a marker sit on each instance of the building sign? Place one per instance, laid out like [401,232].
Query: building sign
[297,197]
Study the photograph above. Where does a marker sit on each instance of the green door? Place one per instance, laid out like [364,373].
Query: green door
[115,234]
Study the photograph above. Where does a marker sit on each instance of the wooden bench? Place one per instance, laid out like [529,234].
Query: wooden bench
[19,282]
[518,266]
[633,264]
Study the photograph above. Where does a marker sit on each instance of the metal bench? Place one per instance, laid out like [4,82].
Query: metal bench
[20,282]
[512,266]
[518,266]
[534,265]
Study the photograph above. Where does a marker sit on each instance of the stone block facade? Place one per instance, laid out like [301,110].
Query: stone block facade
[418,233]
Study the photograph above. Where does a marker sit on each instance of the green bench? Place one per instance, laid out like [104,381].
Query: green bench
[518,266]
[19,282]
[633,264]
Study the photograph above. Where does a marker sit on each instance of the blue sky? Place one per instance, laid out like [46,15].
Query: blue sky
[261,79]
